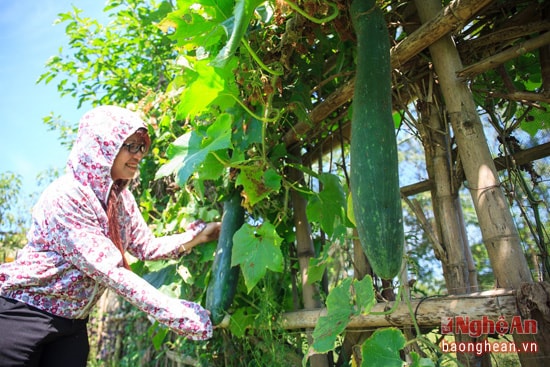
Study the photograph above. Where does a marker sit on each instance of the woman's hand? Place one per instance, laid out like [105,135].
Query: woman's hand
[210,232]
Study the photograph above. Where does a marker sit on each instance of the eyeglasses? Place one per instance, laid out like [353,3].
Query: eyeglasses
[134,148]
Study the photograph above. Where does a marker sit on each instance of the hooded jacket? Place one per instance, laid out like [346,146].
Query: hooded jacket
[70,260]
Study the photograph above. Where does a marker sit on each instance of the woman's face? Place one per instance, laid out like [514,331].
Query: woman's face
[126,163]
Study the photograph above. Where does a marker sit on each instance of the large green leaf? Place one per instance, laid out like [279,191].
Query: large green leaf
[257,249]
[328,207]
[341,306]
[213,166]
[190,150]
[157,334]
[257,183]
[200,93]
[339,311]
[382,348]
[195,26]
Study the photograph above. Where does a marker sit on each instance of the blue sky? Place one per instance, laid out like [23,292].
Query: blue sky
[27,39]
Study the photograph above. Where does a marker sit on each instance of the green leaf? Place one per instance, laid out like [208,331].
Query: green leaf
[164,275]
[165,279]
[327,330]
[190,150]
[218,135]
[201,92]
[328,207]
[339,311]
[257,249]
[177,151]
[211,168]
[158,335]
[257,183]
[397,119]
[364,294]
[193,26]
[420,362]
[272,179]
[240,321]
[339,300]
[248,132]
[382,348]
[315,270]
[536,120]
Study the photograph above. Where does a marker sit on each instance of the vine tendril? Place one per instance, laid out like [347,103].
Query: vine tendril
[326,19]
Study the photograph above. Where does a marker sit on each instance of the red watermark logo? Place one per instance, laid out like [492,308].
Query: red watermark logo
[476,327]
[485,326]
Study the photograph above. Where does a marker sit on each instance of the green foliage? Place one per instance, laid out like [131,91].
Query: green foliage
[341,306]
[209,85]
[10,185]
[328,207]
[190,150]
[535,120]
[257,249]
[258,184]
[113,63]
[382,348]
[13,222]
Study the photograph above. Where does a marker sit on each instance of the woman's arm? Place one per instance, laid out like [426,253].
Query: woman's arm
[75,229]
[143,244]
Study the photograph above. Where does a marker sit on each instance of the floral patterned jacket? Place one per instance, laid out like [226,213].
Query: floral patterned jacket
[70,260]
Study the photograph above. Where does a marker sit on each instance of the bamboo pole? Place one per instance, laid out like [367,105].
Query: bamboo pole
[305,250]
[436,140]
[452,17]
[509,33]
[428,311]
[510,53]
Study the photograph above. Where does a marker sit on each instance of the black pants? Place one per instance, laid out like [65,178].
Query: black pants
[31,337]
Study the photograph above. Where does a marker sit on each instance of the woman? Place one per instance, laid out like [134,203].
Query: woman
[81,227]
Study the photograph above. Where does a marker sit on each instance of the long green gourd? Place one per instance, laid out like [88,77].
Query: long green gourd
[374,167]
[224,278]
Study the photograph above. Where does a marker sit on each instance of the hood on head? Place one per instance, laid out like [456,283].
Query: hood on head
[101,133]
